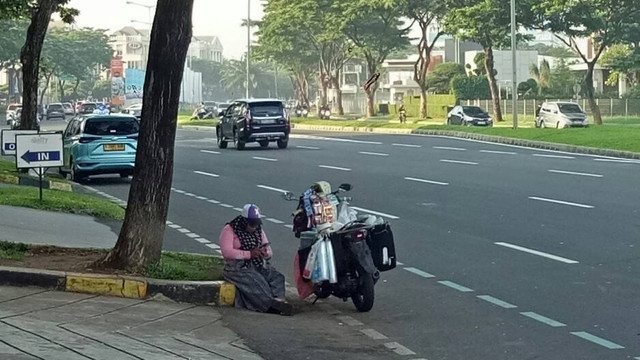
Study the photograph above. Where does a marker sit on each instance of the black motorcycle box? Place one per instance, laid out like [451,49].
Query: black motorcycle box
[380,241]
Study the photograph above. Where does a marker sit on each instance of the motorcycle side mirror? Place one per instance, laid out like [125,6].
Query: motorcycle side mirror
[345,187]
[289,196]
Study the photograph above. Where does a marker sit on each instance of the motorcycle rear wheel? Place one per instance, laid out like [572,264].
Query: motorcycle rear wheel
[363,299]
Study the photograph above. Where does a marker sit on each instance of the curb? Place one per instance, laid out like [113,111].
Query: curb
[29,181]
[220,293]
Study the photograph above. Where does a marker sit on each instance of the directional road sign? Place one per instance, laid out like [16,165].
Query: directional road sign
[38,150]
[9,140]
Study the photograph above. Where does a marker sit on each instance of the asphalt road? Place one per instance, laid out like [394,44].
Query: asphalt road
[507,252]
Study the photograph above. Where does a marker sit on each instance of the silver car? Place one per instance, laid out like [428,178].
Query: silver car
[560,115]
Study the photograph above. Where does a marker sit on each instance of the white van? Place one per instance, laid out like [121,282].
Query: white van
[560,115]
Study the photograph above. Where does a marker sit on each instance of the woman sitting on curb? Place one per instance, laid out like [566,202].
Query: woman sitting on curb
[246,251]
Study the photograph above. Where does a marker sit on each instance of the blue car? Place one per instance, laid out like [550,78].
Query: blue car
[100,144]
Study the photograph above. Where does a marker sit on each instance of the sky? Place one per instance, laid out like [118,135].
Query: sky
[221,18]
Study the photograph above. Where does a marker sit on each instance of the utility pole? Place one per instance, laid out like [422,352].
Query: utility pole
[248,44]
[514,81]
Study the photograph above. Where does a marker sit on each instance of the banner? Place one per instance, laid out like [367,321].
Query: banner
[134,79]
[117,82]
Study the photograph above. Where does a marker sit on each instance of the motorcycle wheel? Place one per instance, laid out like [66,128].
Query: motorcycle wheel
[363,299]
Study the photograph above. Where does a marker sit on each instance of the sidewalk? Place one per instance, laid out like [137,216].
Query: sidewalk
[37,324]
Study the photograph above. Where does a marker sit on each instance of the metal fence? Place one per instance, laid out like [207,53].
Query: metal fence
[527,108]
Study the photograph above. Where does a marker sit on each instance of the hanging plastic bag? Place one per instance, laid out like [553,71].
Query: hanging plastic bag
[311,261]
[331,262]
[321,268]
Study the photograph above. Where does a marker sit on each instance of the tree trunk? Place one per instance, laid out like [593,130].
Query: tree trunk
[336,86]
[325,91]
[46,87]
[140,240]
[588,79]
[30,60]
[75,88]
[423,103]
[372,66]
[495,95]
[61,85]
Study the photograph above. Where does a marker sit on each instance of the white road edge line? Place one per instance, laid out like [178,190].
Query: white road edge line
[562,202]
[213,246]
[498,152]
[210,151]
[536,252]
[618,161]
[426,181]
[272,188]
[575,173]
[408,145]
[334,167]
[459,162]
[375,213]
[372,153]
[206,174]
[373,334]
[555,156]
[263,158]
[308,147]
[349,320]
[398,349]
[202,240]
[449,148]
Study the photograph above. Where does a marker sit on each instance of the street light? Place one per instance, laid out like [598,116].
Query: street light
[141,22]
[514,81]
[149,7]
[248,44]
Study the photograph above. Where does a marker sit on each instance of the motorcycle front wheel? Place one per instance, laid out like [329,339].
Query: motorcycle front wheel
[363,298]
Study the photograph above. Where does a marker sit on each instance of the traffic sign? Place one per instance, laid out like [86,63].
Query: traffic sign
[9,140]
[38,150]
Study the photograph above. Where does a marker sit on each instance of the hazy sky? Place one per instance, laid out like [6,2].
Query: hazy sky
[221,18]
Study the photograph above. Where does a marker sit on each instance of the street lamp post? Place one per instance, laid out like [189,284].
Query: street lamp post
[514,82]
[149,7]
[248,44]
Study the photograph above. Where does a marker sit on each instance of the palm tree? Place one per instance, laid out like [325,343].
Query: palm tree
[234,77]
[542,75]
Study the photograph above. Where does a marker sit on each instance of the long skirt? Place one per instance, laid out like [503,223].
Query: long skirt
[255,287]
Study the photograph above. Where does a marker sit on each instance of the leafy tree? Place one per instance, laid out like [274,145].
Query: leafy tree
[548,50]
[486,22]
[211,78]
[562,80]
[528,88]
[140,240]
[607,22]
[439,81]
[624,62]
[542,75]
[470,87]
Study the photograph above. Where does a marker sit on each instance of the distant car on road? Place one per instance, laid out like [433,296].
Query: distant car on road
[254,120]
[222,107]
[561,115]
[87,107]
[55,110]
[68,109]
[100,144]
[469,116]
[11,110]
[135,110]
[211,106]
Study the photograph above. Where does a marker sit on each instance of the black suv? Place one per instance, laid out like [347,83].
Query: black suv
[255,120]
[87,108]
[55,111]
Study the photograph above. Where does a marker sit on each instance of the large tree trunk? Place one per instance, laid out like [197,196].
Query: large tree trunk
[336,86]
[588,79]
[421,66]
[325,91]
[495,94]
[372,66]
[140,240]
[30,60]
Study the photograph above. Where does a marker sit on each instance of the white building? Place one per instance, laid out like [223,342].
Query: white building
[502,64]
[397,80]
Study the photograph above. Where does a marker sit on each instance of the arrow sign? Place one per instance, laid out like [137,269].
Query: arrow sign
[30,156]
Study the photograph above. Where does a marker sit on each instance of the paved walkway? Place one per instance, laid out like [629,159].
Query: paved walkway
[38,324]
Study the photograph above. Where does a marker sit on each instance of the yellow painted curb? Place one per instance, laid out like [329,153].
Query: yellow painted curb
[9,179]
[102,284]
[227,295]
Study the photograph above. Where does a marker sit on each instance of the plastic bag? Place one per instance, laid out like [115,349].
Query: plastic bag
[321,267]
[331,262]
[311,261]
[305,288]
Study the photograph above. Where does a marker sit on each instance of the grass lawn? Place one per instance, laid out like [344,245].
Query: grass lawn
[182,266]
[9,167]
[64,201]
[13,251]
[186,120]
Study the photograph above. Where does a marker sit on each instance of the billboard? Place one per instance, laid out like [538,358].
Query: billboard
[117,81]
[135,82]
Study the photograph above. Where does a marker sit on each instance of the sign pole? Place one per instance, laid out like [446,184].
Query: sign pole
[40,176]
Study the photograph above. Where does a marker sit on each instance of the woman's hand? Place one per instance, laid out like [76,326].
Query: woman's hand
[256,253]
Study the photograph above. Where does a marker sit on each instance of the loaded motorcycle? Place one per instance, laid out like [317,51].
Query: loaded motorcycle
[361,246]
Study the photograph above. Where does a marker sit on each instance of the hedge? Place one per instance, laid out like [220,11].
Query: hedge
[437,105]
[470,87]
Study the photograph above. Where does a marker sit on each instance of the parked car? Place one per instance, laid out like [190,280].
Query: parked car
[11,109]
[100,144]
[561,115]
[135,110]
[222,107]
[68,109]
[255,120]
[469,116]
[211,106]
[16,118]
[87,108]
[55,110]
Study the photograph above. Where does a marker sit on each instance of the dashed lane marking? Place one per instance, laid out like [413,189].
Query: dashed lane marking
[459,162]
[372,153]
[449,148]
[455,286]
[271,188]
[207,174]
[308,147]
[419,272]
[496,301]
[263,158]
[193,235]
[408,145]
[213,246]
[202,240]
[575,173]
[183,230]
[584,206]
[399,349]
[543,319]
[334,167]
[349,320]
[373,334]
[210,152]
[536,252]
[375,213]
[426,181]
[275,221]
[554,156]
[598,340]
[498,152]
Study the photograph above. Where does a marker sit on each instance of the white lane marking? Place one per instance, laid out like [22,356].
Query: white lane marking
[449,148]
[213,246]
[536,252]
[376,213]
[213,201]
[210,152]
[189,194]
[202,240]
[562,202]
[289,226]
[206,173]
[193,235]
[459,162]
[179,191]
[201,198]
[397,262]
[275,221]
[219,251]
[308,147]
[91,188]
[336,139]
[426,181]
[334,167]
[168,222]
[237,209]
[263,158]
[372,153]
[175,226]
[575,173]
[554,156]
[543,319]
[398,349]
[349,320]
[271,188]
[455,286]
[408,145]
[618,161]
[373,334]
[184,231]
[227,206]
[419,272]
[498,152]
[497,301]
[598,340]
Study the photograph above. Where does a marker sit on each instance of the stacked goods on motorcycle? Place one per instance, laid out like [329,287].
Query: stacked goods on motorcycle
[383,250]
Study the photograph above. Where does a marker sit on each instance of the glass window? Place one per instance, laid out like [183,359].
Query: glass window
[111,126]
[262,109]
[569,108]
